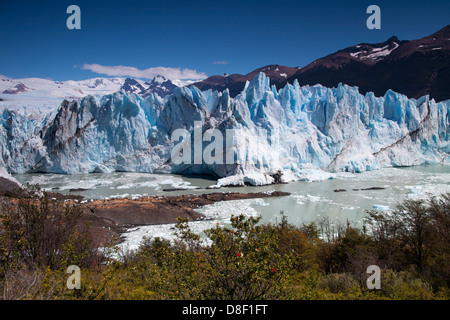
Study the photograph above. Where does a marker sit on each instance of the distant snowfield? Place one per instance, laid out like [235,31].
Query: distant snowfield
[42,96]
[63,89]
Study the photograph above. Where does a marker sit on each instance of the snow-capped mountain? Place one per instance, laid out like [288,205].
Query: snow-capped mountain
[60,89]
[372,54]
[364,53]
[132,86]
[47,95]
[43,96]
[317,130]
[16,89]
[159,85]
[414,68]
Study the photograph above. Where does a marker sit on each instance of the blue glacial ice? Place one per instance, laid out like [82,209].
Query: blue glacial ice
[311,132]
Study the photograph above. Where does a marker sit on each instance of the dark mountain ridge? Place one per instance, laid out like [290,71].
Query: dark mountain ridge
[415,68]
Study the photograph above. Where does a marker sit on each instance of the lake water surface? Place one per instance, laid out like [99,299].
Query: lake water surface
[309,201]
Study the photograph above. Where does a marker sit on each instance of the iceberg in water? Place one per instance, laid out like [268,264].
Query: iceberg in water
[261,136]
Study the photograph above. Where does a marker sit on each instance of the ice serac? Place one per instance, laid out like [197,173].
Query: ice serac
[294,133]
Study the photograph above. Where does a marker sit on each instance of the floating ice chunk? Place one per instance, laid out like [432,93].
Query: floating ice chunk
[312,198]
[415,192]
[252,178]
[309,173]
[381,207]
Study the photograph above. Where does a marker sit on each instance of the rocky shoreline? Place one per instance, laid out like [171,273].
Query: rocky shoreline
[108,219]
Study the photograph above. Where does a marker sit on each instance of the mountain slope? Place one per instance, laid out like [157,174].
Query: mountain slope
[414,68]
[235,83]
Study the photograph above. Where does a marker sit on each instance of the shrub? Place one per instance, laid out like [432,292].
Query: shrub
[404,285]
[43,231]
[415,234]
[338,282]
[242,262]
[300,242]
[39,237]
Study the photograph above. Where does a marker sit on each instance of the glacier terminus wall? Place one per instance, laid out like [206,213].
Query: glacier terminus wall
[261,136]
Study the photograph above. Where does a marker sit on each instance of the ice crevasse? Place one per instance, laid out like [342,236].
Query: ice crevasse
[311,132]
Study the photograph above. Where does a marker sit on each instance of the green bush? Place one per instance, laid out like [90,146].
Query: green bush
[417,235]
[38,230]
[404,286]
[241,262]
[338,282]
[40,237]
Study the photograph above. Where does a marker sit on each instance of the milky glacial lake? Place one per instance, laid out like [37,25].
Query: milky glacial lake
[309,201]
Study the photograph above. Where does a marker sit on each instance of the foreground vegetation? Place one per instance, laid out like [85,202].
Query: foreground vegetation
[40,237]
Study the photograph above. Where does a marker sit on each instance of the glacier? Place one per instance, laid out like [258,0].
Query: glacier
[318,131]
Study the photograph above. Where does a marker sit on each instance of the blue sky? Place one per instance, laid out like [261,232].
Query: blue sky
[197,38]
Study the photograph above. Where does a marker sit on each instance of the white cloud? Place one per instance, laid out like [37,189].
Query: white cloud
[150,73]
[220,62]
